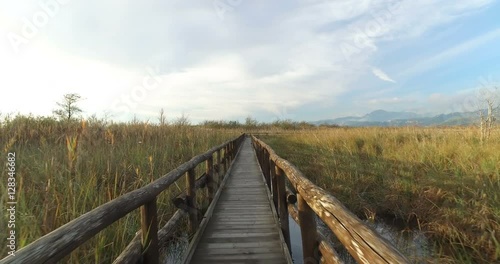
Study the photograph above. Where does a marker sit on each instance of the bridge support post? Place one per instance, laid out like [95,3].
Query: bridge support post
[226,157]
[283,206]
[210,179]
[308,231]
[219,169]
[274,184]
[191,200]
[266,165]
[149,227]
[233,152]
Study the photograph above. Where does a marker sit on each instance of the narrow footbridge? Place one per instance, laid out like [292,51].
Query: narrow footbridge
[251,193]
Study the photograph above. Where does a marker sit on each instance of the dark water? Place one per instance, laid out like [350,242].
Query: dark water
[176,250]
[411,243]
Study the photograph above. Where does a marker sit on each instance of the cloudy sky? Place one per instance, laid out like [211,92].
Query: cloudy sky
[229,59]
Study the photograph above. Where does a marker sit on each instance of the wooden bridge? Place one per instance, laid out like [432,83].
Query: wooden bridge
[252,192]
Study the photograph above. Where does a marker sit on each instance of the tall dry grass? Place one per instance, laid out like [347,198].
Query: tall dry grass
[442,180]
[67,169]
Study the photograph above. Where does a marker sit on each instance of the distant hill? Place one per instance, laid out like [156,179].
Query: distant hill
[386,118]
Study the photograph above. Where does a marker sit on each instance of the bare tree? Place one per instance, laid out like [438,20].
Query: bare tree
[489,104]
[68,109]
[251,122]
[182,121]
[162,119]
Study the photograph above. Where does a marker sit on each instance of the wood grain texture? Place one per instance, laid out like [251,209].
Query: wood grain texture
[242,228]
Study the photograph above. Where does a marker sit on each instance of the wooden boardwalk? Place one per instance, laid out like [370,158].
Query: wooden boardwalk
[240,225]
[243,227]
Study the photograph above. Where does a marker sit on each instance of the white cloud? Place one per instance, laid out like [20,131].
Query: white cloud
[436,60]
[262,57]
[39,77]
[392,100]
[382,75]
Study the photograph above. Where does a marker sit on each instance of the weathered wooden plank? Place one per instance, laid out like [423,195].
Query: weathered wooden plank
[243,261]
[247,229]
[230,216]
[246,222]
[240,251]
[205,220]
[261,234]
[256,244]
[239,239]
[264,257]
[242,227]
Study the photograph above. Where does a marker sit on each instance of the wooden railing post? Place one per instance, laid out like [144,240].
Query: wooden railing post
[273,185]
[233,150]
[307,230]
[149,227]
[210,179]
[265,168]
[265,164]
[261,160]
[283,206]
[226,158]
[191,200]
[220,175]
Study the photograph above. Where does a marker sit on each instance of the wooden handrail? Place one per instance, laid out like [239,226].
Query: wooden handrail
[362,242]
[59,243]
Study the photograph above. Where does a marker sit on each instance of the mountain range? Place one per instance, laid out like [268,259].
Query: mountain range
[387,118]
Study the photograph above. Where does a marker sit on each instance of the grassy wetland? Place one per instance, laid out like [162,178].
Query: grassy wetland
[443,181]
[65,169]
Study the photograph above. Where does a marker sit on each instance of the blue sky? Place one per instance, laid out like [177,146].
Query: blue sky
[229,59]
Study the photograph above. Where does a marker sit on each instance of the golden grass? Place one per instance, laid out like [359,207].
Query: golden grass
[443,180]
[65,170]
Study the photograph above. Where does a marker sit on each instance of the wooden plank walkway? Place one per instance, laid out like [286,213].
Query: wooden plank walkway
[243,227]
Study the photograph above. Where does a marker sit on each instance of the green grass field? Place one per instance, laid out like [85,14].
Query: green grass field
[441,180]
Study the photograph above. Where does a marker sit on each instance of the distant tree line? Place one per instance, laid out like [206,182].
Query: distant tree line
[69,113]
[250,123]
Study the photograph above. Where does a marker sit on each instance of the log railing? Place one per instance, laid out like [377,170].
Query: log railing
[361,241]
[54,246]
